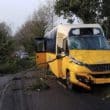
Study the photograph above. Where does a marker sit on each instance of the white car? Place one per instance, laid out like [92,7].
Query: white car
[24,55]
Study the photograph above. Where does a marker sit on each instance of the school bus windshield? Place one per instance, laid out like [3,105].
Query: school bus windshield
[87,39]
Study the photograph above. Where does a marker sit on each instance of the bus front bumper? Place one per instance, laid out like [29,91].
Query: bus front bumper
[85,81]
[101,80]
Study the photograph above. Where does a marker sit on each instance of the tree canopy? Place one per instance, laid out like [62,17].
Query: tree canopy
[6,43]
[90,11]
[40,21]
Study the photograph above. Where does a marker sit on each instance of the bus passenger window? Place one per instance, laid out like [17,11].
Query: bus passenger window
[51,42]
[50,45]
[40,46]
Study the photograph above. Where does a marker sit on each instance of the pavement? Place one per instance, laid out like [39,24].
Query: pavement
[18,97]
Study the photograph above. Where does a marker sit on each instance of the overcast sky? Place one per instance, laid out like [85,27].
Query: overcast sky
[15,12]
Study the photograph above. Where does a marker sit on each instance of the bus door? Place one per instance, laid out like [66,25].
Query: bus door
[40,52]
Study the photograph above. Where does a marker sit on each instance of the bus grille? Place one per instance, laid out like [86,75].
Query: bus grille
[99,67]
[101,75]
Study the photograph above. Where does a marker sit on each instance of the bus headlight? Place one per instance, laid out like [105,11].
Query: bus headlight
[83,79]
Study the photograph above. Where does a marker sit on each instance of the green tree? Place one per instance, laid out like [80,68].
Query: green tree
[106,15]
[34,27]
[7,47]
[6,43]
[90,11]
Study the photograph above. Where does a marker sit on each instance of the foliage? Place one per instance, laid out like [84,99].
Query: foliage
[16,65]
[85,9]
[6,47]
[91,11]
[34,27]
[7,67]
[23,40]
[6,43]
[106,14]
[8,62]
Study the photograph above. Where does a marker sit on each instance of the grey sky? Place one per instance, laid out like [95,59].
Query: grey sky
[15,12]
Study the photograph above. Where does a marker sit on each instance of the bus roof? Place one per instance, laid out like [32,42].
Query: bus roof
[66,28]
[79,25]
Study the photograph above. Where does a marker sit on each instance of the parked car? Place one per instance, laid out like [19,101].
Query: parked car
[22,54]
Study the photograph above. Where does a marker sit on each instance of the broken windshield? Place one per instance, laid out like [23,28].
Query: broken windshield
[87,40]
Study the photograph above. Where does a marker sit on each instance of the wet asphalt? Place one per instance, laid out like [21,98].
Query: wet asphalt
[16,97]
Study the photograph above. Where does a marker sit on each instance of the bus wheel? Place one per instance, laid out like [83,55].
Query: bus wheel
[68,83]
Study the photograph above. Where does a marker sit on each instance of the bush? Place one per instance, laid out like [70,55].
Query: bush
[23,64]
[7,67]
[16,65]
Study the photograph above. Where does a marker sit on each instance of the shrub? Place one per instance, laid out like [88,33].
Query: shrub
[16,65]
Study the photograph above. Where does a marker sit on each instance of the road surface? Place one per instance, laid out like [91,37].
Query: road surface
[16,97]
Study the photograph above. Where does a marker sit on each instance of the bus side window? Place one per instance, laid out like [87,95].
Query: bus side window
[51,42]
[50,45]
[40,44]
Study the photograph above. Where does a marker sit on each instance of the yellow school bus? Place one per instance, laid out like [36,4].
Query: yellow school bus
[78,54]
